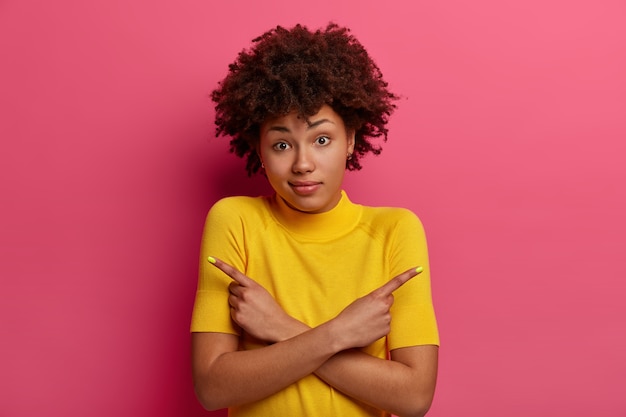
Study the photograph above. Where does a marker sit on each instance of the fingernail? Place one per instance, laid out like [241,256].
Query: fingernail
[419,269]
[211,259]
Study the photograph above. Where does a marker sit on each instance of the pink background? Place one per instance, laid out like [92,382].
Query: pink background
[509,143]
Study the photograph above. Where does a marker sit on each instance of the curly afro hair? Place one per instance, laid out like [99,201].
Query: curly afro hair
[299,70]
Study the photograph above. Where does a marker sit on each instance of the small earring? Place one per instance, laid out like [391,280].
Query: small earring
[349,156]
[262,165]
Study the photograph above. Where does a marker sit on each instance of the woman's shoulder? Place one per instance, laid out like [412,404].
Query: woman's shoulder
[386,219]
[239,206]
[387,223]
[389,214]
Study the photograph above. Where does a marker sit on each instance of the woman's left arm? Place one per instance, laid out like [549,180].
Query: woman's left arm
[404,385]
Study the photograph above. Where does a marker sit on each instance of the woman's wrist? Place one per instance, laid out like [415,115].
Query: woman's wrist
[292,328]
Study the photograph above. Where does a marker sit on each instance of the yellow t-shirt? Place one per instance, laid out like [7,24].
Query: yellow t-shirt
[315,265]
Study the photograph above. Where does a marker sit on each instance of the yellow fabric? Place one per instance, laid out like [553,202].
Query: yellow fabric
[315,265]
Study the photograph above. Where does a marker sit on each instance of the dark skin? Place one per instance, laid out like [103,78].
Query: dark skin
[403,385]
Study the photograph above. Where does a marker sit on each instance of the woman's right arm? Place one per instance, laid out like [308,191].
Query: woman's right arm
[225,377]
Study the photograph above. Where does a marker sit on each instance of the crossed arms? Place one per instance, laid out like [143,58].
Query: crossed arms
[403,385]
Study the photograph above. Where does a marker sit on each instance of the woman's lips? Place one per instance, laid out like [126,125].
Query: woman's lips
[305,187]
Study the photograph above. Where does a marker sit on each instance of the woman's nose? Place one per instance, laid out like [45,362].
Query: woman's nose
[303,162]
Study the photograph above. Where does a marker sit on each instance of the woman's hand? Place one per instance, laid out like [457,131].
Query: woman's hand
[361,323]
[254,309]
[368,318]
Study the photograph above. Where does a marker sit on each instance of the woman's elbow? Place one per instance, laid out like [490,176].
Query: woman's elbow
[418,407]
[208,397]
[415,412]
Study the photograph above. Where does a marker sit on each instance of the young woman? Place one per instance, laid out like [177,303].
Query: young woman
[309,304]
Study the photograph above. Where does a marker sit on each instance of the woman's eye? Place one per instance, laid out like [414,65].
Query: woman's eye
[322,140]
[281,146]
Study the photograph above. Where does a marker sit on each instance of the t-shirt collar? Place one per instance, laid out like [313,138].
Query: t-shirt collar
[335,222]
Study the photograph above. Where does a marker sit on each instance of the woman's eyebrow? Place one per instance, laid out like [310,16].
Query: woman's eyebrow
[310,125]
[282,129]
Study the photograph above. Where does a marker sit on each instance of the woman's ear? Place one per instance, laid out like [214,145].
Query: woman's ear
[351,140]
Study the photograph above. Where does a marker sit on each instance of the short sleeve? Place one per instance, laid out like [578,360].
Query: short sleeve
[222,238]
[413,319]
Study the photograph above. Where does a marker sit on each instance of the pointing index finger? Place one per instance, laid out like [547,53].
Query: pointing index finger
[231,271]
[399,280]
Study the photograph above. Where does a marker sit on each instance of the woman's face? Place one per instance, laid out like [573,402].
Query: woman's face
[305,159]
